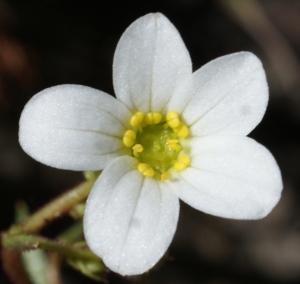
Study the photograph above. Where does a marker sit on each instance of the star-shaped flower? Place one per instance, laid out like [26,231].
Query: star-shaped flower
[170,134]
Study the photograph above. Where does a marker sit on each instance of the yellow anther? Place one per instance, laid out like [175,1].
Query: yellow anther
[172,119]
[129,138]
[172,144]
[137,148]
[136,119]
[164,176]
[146,170]
[153,118]
[171,141]
[182,163]
[182,130]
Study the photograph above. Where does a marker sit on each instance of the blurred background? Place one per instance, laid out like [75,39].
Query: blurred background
[49,42]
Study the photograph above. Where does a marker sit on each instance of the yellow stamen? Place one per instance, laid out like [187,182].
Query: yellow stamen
[136,119]
[156,142]
[172,144]
[164,176]
[182,131]
[172,119]
[182,163]
[146,170]
[137,148]
[152,118]
[129,138]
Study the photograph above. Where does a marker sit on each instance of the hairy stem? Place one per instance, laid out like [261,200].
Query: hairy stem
[27,242]
[53,210]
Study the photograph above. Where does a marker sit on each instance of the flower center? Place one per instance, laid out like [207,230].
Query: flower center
[155,140]
[156,143]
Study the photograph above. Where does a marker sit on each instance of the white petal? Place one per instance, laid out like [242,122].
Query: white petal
[150,62]
[129,221]
[73,127]
[231,96]
[231,177]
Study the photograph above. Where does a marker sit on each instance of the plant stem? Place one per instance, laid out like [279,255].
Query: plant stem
[53,210]
[27,242]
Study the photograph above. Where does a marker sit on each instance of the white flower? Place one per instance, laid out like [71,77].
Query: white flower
[170,134]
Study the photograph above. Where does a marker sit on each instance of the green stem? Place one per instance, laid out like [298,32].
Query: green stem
[53,210]
[27,242]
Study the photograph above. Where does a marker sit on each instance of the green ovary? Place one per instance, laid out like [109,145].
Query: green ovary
[154,139]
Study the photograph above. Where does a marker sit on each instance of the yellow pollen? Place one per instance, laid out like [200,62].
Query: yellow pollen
[137,148]
[182,131]
[136,119]
[164,176]
[156,142]
[182,163]
[172,144]
[129,138]
[172,119]
[153,118]
[146,170]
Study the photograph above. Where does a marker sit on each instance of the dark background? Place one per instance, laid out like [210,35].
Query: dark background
[49,42]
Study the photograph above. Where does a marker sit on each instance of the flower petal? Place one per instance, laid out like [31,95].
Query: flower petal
[129,221]
[73,127]
[231,96]
[231,177]
[150,63]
